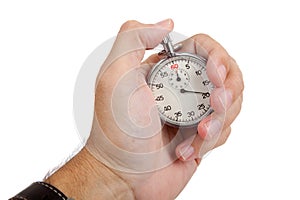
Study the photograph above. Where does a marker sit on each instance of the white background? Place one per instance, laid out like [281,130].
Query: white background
[43,45]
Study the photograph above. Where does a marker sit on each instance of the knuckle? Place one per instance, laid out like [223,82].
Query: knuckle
[201,41]
[240,82]
[238,75]
[240,102]
[130,24]
[225,136]
[236,84]
[202,36]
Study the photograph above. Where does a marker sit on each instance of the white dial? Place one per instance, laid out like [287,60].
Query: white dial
[181,89]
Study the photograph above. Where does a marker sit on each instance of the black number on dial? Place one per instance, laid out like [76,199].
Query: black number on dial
[160,98]
[167,108]
[163,74]
[201,107]
[159,85]
[198,72]
[205,95]
[178,114]
[191,113]
[187,66]
[206,82]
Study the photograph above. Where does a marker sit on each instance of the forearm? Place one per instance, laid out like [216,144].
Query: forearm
[84,177]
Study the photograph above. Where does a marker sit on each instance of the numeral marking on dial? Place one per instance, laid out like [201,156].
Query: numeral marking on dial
[187,66]
[198,72]
[205,95]
[178,114]
[206,82]
[191,114]
[174,66]
[163,74]
[201,106]
[160,98]
[167,108]
[158,85]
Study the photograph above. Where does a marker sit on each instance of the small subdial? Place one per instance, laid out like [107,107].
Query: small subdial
[179,78]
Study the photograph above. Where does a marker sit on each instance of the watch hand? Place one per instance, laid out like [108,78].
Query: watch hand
[178,78]
[204,94]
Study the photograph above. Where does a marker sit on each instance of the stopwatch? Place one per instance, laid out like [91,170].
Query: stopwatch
[180,87]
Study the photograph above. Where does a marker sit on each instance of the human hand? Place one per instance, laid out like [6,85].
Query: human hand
[127,134]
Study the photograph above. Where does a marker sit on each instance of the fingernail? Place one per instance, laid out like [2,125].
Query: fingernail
[186,152]
[213,128]
[164,23]
[225,99]
[222,73]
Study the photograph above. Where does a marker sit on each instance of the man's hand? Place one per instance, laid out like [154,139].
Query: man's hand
[128,140]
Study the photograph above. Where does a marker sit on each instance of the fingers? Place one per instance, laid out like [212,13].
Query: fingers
[226,98]
[224,73]
[226,102]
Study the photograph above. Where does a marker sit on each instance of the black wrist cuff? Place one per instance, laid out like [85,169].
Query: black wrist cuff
[40,191]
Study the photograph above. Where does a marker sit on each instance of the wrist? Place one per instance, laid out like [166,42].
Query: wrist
[84,177]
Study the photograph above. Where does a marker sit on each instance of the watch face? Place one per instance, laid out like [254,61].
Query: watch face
[181,89]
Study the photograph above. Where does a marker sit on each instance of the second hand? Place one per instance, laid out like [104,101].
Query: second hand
[204,94]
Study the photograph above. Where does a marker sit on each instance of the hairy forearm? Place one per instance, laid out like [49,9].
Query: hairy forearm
[84,177]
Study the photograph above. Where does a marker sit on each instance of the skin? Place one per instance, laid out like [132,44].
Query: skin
[96,172]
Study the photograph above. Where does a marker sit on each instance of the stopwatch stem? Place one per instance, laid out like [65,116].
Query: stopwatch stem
[168,46]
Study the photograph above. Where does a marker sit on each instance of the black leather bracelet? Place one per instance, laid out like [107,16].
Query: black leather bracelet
[40,191]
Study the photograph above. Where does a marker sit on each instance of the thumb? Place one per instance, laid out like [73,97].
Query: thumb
[133,39]
[123,89]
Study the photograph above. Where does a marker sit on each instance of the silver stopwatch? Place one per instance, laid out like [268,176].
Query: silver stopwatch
[180,87]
